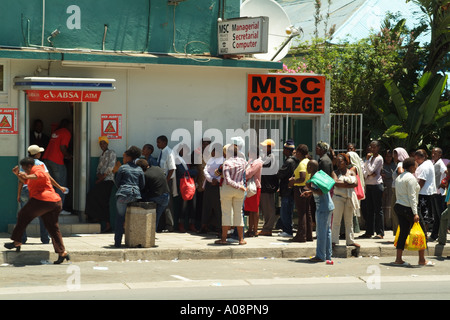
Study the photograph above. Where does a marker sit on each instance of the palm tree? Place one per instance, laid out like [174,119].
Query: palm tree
[411,120]
[438,13]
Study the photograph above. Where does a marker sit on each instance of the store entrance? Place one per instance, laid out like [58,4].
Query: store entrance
[46,118]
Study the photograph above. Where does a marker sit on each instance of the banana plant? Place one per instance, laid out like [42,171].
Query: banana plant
[411,117]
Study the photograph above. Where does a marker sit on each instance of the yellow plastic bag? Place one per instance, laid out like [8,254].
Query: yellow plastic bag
[396,238]
[417,240]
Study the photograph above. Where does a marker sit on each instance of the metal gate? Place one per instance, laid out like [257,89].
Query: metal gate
[346,128]
[268,126]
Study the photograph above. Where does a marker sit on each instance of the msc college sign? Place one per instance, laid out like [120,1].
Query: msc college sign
[286,93]
[243,35]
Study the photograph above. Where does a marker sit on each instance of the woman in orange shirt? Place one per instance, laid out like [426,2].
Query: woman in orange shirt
[44,202]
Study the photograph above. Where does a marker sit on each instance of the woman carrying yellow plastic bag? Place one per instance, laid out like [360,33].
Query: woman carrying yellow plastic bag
[407,193]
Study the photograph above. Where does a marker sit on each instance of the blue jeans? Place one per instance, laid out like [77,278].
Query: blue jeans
[286,211]
[24,197]
[162,202]
[121,205]
[323,232]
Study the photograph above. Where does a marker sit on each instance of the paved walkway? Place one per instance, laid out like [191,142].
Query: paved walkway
[172,246]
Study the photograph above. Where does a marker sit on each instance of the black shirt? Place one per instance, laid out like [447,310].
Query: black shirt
[326,164]
[155,183]
[285,173]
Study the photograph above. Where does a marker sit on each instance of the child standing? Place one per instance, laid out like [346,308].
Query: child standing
[324,210]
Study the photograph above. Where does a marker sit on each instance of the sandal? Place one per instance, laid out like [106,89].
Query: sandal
[404,264]
[427,264]
[220,242]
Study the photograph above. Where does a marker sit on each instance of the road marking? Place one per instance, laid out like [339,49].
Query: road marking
[180,277]
[188,283]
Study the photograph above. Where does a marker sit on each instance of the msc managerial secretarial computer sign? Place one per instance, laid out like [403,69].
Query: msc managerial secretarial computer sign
[286,93]
[243,35]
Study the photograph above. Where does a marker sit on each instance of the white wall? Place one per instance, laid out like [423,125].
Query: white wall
[156,101]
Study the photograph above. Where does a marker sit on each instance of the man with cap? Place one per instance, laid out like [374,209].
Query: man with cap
[269,186]
[286,193]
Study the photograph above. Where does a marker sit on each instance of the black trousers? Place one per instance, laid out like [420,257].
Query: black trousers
[405,221]
[49,211]
[374,211]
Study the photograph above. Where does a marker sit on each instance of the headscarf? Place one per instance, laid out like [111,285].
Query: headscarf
[402,154]
[356,162]
[103,138]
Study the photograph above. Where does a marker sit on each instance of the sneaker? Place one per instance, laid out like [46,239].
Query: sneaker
[65,213]
[284,234]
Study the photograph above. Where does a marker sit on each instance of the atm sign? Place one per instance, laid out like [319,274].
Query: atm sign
[63,95]
[282,93]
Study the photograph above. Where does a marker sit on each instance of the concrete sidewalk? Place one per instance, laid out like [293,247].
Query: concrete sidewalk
[173,246]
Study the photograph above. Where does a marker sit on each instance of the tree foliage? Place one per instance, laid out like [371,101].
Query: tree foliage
[390,73]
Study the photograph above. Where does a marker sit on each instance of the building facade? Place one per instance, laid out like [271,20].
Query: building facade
[132,72]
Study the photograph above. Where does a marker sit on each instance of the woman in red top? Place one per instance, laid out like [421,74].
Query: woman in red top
[44,202]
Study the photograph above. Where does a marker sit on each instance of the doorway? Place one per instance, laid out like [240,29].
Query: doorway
[51,114]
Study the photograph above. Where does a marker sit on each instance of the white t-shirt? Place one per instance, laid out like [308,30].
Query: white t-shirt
[439,170]
[426,172]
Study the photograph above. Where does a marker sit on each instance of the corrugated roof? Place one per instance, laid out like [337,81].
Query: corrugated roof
[371,15]
[301,14]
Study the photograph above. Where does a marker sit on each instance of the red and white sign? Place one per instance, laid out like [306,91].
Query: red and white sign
[8,121]
[63,95]
[286,93]
[111,126]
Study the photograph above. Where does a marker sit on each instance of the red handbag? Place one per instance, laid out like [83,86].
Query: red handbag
[359,189]
[187,186]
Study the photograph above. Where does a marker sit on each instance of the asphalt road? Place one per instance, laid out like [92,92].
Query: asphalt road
[227,280]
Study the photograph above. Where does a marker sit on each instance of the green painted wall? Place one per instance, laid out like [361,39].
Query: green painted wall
[137,25]
[8,193]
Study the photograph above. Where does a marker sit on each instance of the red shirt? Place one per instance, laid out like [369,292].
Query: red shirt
[41,188]
[60,137]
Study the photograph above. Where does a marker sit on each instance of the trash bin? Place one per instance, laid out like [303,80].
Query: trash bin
[140,225]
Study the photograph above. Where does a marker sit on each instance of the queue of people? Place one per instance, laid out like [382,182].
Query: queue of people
[228,187]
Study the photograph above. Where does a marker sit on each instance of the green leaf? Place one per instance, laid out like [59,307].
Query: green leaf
[428,107]
[397,99]
[393,132]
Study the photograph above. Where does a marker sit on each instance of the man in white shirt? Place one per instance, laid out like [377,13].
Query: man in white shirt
[426,178]
[166,161]
[439,173]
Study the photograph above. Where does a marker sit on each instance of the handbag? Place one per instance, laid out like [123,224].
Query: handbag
[251,187]
[417,240]
[187,186]
[359,189]
[323,181]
